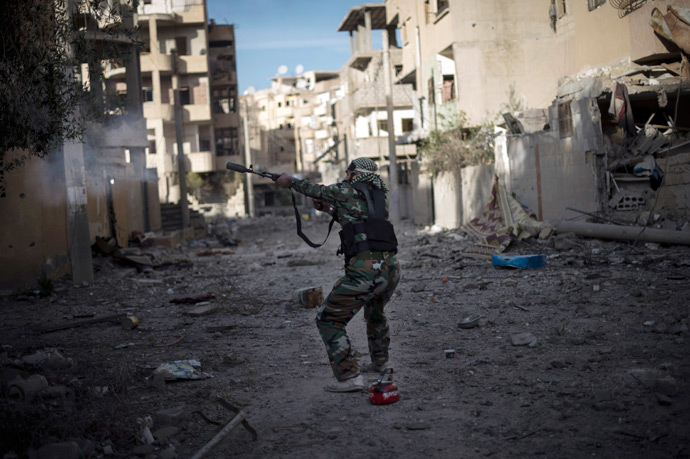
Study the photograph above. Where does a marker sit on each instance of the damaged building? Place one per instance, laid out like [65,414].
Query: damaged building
[615,140]
[53,209]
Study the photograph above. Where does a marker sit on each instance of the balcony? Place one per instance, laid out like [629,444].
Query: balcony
[153,111]
[196,113]
[192,64]
[160,62]
[369,97]
[201,161]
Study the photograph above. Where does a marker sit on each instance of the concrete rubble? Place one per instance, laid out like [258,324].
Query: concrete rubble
[587,353]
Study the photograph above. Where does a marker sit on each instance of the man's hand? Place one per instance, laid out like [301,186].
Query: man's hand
[323,206]
[285,180]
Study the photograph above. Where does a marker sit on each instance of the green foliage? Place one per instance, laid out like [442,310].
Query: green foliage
[44,102]
[456,145]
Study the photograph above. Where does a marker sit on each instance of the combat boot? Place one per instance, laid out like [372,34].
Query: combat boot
[355,384]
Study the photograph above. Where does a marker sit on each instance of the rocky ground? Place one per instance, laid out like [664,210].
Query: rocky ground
[604,373]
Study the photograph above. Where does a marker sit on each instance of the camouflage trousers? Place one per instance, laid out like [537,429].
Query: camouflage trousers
[369,282]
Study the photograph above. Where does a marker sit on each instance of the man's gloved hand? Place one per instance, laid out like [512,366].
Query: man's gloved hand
[323,206]
[285,180]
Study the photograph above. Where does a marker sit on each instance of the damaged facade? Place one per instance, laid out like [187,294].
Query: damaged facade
[55,208]
[615,139]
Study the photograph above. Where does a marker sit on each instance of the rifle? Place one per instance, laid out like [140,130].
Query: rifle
[243,170]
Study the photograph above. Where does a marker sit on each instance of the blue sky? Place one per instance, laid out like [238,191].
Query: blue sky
[271,33]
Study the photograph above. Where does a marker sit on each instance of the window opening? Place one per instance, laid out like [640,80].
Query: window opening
[565,120]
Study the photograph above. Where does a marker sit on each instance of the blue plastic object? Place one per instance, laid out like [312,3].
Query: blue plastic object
[519,261]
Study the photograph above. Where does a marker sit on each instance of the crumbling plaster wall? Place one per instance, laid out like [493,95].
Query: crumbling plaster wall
[33,223]
[548,173]
[461,195]
[674,196]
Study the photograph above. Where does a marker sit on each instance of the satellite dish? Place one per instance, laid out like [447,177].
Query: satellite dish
[249,91]
[299,69]
[282,70]
[301,84]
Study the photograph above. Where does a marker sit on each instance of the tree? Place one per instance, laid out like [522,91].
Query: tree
[456,145]
[45,46]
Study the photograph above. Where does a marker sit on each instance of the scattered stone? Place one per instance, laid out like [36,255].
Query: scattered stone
[65,450]
[417,426]
[168,453]
[107,450]
[668,385]
[420,287]
[558,363]
[143,450]
[171,416]
[523,339]
[664,399]
[203,310]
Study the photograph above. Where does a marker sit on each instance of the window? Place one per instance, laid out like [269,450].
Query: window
[184,96]
[279,104]
[448,88]
[441,6]
[147,94]
[407,124]
[152,147]
[204,145]
[565,120]
[227,142]
[432,98]
[181,46]
[382,126]
[594,4]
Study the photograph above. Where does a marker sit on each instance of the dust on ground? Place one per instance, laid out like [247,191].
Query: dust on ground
[604,374]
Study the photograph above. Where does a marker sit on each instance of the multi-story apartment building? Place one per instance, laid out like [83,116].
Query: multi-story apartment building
[185,53]
[175,57]
[362,115]
[563,58]
[316,130]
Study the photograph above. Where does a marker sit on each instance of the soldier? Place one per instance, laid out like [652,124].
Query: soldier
[372,271]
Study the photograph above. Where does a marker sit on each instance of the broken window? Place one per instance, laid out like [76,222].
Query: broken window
[181,46]
[448,88]
[594,4]
[565,120]
[441,6]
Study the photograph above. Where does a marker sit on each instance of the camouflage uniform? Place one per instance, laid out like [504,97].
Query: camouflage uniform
[369,281]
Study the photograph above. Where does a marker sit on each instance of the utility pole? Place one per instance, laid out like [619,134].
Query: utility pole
[393,164]
[179,131]
[79,241]
[248,162]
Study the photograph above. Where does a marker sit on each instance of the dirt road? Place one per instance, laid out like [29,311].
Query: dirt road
[605,373]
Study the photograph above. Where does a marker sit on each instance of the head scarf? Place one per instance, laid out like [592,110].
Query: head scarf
[367,173]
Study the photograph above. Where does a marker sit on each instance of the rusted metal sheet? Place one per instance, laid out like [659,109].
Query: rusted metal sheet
[674,26]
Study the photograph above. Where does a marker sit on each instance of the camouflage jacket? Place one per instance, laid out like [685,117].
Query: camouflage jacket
[350,205]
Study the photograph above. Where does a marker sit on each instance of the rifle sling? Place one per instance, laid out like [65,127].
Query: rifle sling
[299,225]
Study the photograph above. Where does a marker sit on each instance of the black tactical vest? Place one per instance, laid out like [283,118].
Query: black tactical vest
[380,233]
